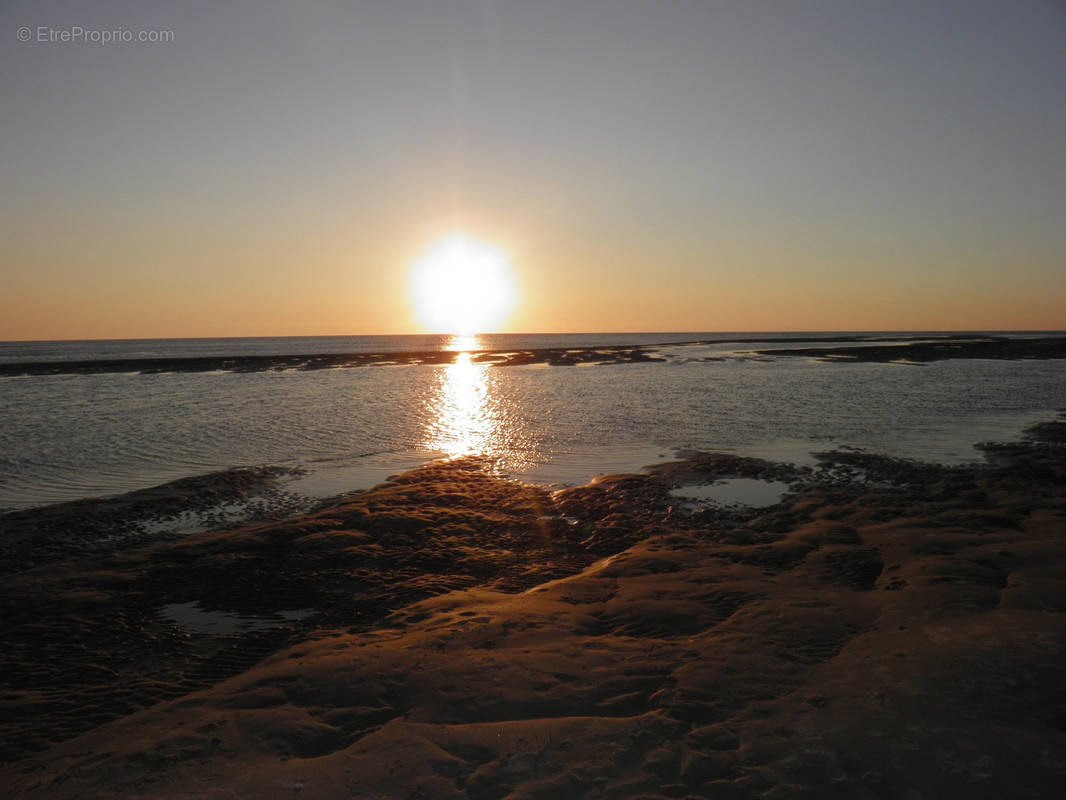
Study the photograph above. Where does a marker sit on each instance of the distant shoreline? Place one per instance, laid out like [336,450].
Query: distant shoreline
[917,348]
[925,352]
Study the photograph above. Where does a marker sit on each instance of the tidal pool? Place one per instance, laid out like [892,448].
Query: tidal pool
[735,491]
[225,623]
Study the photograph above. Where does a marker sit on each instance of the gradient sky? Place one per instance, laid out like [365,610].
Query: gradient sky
[649,166]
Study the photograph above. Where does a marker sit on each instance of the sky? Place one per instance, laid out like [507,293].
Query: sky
[277,168]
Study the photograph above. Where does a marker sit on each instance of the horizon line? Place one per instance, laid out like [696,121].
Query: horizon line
[849,331]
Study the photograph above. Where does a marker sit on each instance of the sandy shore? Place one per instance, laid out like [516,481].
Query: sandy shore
[555,356]
[923,352]
[853,348]
[890,630]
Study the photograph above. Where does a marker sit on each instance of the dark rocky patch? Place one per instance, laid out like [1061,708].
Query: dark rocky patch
[995,347]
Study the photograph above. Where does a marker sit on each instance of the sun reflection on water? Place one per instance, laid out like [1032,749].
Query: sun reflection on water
[461,418]
[472,411]
[463,342]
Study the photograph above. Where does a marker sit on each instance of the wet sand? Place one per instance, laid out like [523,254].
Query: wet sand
[891,629]
[999,348]
[551,356]
[856,348]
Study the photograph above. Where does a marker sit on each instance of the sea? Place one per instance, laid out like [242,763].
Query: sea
[71,436]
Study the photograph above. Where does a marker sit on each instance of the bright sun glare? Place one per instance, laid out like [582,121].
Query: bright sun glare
[461,285]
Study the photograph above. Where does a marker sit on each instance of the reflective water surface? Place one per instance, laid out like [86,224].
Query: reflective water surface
[460,415]
[70,436]
[734,491]
[468,413]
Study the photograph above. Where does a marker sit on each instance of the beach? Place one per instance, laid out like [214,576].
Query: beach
[889,628]
[881,348]
[533,401]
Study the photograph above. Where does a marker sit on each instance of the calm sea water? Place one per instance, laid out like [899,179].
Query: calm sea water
[71,436]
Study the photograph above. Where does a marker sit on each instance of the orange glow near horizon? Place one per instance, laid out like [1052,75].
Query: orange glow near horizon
[507,167]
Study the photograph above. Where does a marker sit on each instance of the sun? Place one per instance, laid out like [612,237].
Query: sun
[461,285]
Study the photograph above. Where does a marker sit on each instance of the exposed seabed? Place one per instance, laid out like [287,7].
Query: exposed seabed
[888,628]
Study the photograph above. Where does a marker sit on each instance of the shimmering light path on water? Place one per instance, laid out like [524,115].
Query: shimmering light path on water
[73,436]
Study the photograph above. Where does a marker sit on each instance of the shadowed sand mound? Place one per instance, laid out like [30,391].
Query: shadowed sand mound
[898,636]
